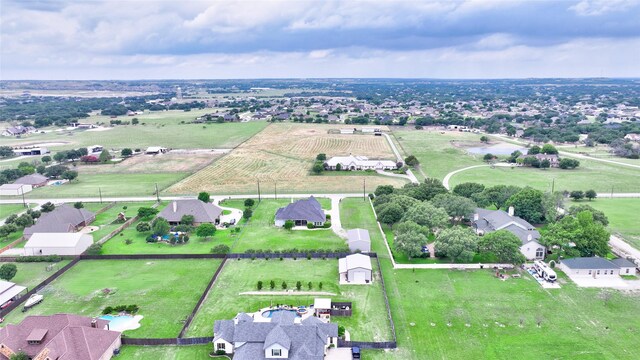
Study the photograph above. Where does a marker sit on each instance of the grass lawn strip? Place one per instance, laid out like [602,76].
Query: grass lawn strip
[32,274]
[165,290]
[192,352]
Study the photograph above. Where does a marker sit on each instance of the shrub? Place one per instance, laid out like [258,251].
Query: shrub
[298,285]
[320,285]
[143,227]
[220,352]
[327,225]
[247,213]
[341,330]
[128,242]
[310,226]
[309,285]
[308,256]
[284,285]
[107,310]
[220,249]
[272,284]
[249,202]
[289,224]
[151,239]
[8,271]
[94,249]
[259,286]
[45,258]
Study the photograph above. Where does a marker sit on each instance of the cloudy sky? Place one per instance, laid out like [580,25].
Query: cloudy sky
[144,39]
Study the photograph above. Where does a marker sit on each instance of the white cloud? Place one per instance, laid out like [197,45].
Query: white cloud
[600,7]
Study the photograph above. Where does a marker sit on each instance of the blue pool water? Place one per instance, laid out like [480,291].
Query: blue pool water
[117,322]
[269,313]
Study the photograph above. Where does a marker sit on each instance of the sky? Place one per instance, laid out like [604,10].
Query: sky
[228,39]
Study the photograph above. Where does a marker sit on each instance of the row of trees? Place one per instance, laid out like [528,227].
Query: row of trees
[284,286]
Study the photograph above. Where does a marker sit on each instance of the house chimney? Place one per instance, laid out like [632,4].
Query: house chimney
[511,210]
[94,323]
[529,237]
[476,217]
[175,206]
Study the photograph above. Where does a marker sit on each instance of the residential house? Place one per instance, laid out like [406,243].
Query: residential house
[15,189]
[347,131]
[627,267]
[554,160]
[35,180]
[359,163]
[358,240]
[302,212]
[594,267]
[60,336]
[283,337]
[155,150]
[63,219]
[202,212]
[57,244]
[355,269]
[30,151]
[9,292]
[18,130]
[632,137]
[486,221]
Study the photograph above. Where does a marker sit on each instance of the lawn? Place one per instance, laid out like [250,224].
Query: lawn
[368,322]
[106,219]
[161,128]
[165,290]
[10,209]
[436,152]
[260,233]
[32,274]
[193,352]
[111,185]
[573,320]
[594,175]
[623,215]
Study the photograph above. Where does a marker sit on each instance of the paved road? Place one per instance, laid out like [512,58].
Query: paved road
[446,179]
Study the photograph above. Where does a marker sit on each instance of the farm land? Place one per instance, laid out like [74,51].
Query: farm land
[282,155]
[165,290]
[368,322]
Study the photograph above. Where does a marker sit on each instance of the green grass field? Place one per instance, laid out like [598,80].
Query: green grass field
[111,185]
[435,151]
[573,321]
[260,233]
[623,215]
[368,322]
[105,220]
[193,352]
[594,175]
[32,274]
[165,290]
[162,128]
[9,209]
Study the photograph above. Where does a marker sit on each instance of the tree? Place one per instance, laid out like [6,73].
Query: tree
[47,207]
[105,156]
[135,121]
[70,175]
[496,196]
[410,237]
[568,164]
[126,152]
[590,194]
[528,205]
[220,249]
[204,197]
[143,227]
[426,214]
[458,207]
[552,203]
[576,195]
[20,355]
[598,215]
[317,168]
[247,213]
[488,157]
[338,167]
[468,189]
[147,212]
[411,160]
[298,285]
[89,159]
[484,139]
[390,214]
[426,190]
[321,157]
[549,149]
[535,149]
[8,271]
[206,230]
[78,205]
[504,245]
[55,171]
[457,243]
[160,227]
[187,219]
[24,220]
[581,233]
[46,159]
[284,285]
[60,156]
[94,249]
[249,202]
[6,152]
[289,224]
[7,229]
[40,169]
[384,190]
[545,164]
[272,284]
[259,286]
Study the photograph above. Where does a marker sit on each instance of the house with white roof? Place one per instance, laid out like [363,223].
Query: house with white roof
[355,269]
[358,163]
[57,244]
[10,291]
[15,189]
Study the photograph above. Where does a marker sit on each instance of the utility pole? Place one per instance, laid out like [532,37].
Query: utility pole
[259,198]
[157,193]
[612,192]
[24,203]
[364,191]
[100,192]
[553,184]
[275,189]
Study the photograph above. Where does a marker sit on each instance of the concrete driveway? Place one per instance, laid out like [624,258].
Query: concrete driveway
[611,282]
[338,354]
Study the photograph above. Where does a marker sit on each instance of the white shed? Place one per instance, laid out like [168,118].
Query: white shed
[355,269]
[57,244]
[15,189]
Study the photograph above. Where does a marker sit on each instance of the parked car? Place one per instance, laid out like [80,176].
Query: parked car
[355,352]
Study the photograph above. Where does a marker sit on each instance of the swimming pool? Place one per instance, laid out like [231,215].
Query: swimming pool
[269,313]
[122,322]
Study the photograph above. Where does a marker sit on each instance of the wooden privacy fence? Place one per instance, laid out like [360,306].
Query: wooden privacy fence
[166,341]
[368,344]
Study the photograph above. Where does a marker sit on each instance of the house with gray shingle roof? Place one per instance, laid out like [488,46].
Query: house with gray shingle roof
[63,218]
[595,267]
[35,180]
[284,337]
[202,212]
[486,221]
[301,213]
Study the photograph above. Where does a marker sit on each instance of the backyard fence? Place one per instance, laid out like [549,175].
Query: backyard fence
[107,207]
[167,341]
[203,297]
[386,302]
[16,303]
[341,308]
[12,244]
[125,225]
[368,344]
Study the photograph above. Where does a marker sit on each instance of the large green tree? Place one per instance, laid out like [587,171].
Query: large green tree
[495,196]
[528,205]
[504,245]
[580,234]
[409,238]
[458,207]
[468,189]
[457,243]
[160,226]
[206,230]
[426,214]
[8,271]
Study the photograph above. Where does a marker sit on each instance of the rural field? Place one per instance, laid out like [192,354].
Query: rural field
[260,233]
[283,154]
[623,215]
[141,282]
[485,313]
[152,164]
[368,322]
[158,128]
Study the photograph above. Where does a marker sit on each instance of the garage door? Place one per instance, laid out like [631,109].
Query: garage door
[359,277]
